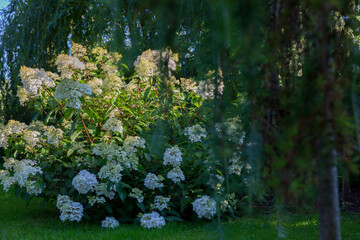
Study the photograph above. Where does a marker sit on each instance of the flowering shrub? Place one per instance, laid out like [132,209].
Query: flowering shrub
[93,146]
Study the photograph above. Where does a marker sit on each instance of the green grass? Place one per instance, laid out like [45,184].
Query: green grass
[34,222]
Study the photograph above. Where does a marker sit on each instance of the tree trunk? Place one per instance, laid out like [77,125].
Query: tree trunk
[329,211]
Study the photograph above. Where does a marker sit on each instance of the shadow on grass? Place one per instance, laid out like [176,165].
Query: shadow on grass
[18,221]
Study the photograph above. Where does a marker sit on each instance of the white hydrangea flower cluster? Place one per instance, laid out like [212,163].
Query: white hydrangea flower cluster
[109,151]
[23,95]
[161,202]
[32,187]
[33,79]
[134,142]
[4,138]
[138,194]
[128,154]
[236,164]
[54,135]
[113,124]
[152,181]
[205,207]
[176,175]
[69,210]
[112,82]
[6,180]
[66,65]
[195,133]
[72,91]
[13,127]
[102,54]
[109,222]
[111,171]
[147,64]
[152,220]
[9,163]
[23,170]
[101,190]
[78,50]
[233,130]
[115,113]
[207,87]
[31,137]
[96,85]
[228,202]
[72,211]
[216,182]
[128,158]
[207,90]
[188,85]
[95,199]
[110,68]
[38,126]
[84,182]
[91,66]
[172,156]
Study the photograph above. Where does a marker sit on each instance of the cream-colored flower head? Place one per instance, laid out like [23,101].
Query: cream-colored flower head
[96,85]
[78,50]
[67,64]
[148,63]
[33,79]
[207,87]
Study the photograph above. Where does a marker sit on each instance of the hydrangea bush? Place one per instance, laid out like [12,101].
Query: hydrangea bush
[116,149]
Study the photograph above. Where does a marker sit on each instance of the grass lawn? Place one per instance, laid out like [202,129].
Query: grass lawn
[34,222]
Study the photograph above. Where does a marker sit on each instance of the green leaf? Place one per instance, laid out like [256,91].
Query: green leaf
[68,113]
[141,206]
[73,127]
[37,106]
[173,218]
[175,213]
[63,191]
[147,156]
[91,129]
[198,105]
[25,196]
[49,115]
[125,66]
[122,196]
[147,91]
[90,113]
[128,110]
[138,128]
[49,176]
[119,187]
[108,209]
[75,135]
[86,216]
[17,192]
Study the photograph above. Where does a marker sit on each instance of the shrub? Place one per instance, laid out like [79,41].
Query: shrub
[101,144]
